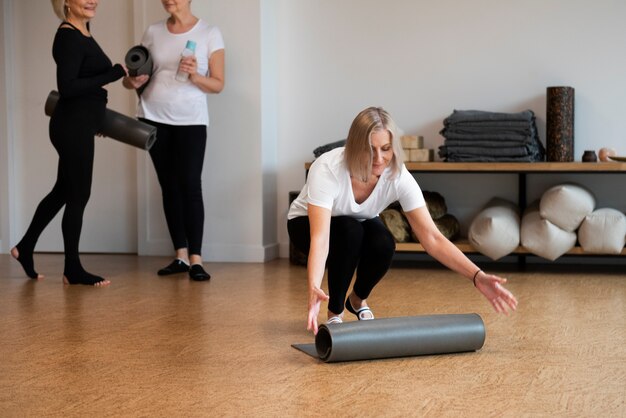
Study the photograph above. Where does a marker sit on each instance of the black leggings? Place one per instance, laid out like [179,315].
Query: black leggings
[366,247]
[72,130]
[178,157]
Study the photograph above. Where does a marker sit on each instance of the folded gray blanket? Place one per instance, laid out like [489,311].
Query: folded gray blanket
[480,116]
[466,129]
[445,151]
[520,139]
[476,135]
[487,143]
[459,158]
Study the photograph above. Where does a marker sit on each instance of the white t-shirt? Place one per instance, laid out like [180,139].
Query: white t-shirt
[329,186]
[164,99]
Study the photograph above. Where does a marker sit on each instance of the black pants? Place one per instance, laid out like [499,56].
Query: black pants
[72,129]
[178,157]
[366,247]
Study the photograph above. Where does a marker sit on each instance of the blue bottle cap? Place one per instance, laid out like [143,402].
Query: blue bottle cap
[191,45]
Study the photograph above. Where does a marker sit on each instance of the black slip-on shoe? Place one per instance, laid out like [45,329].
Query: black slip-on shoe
[197,273]
[176,266]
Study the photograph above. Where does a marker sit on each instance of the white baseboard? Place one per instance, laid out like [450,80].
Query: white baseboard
[156,247]
[284,250]
[239,253]
[217,252]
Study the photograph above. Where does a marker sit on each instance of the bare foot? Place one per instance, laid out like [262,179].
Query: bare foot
[27,264]
[90,280]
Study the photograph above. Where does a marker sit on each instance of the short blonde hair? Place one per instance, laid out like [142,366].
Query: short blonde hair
[59,8]
[358,153]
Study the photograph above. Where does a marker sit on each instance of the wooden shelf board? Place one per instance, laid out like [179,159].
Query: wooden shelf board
[538,167]
[466,247]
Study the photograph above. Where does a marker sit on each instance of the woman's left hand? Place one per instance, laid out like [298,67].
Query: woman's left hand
[189,64]
[491,287]
[137,81]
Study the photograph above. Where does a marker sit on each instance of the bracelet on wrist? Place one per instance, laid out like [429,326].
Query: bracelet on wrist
[475,275]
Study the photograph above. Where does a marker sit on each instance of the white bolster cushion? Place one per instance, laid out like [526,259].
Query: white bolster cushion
[566,205]
[541,237]
[495,231]
[603,232]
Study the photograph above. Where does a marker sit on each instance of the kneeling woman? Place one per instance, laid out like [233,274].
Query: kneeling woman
[335,220]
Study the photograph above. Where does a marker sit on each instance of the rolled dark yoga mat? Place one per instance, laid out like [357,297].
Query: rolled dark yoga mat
[560,124]
[397,337]
[117,126]
[139,62]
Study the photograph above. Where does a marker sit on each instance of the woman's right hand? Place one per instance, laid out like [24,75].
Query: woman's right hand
[136,82]
[316,297]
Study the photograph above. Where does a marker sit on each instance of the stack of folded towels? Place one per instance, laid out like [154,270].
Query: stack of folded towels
[475,135]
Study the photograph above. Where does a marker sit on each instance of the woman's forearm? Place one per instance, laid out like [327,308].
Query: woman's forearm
[214,83]
[316,265]
[319,219]
[438,246]
[449,255]
[207,84]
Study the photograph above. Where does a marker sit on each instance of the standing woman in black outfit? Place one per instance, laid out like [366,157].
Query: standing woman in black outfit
[82,71]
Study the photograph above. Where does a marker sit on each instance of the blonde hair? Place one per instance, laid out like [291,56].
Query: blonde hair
[59,8]
[358,153]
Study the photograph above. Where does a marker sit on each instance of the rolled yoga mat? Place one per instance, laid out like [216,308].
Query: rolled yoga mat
[397,337]
[560,124]
[139,62]
[120,127]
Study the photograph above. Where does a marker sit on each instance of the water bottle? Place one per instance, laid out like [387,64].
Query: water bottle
[190,49]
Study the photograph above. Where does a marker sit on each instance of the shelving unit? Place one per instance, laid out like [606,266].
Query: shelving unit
[522,170]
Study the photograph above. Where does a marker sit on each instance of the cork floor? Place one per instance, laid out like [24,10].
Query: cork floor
[153,346]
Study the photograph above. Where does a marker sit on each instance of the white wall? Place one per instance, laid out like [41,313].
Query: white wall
[421,59]
[6,128]
[297,72]
[234,174]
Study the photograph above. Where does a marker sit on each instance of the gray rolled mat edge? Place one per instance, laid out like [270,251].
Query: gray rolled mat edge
[139,62]
[117,126]
[398,337]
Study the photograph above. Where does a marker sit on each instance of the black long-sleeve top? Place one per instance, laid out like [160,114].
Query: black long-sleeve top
[82,67]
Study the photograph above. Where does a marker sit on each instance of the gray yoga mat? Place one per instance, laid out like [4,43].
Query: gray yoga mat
[120,127]
[139,62]
[397,337]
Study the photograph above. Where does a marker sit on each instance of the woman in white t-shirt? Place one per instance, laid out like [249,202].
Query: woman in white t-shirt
[335,220]
[179,110]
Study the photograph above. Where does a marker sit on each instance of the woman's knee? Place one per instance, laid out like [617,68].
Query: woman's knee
[380,241]
[386,242]
[299,235]
[345,230]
